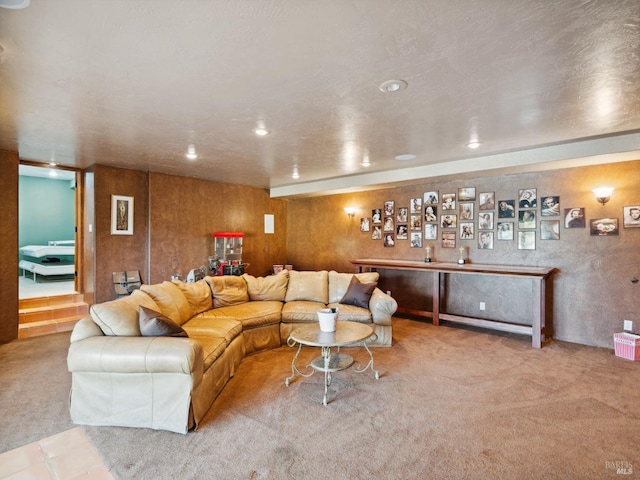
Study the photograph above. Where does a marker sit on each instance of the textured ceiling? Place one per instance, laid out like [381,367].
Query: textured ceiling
[133,83]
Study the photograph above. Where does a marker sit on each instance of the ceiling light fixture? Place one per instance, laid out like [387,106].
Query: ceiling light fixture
[191,153]
[14,4]
[261,131]
[474,145]
[391,86]
[405,157]
[53,173]
[295,173]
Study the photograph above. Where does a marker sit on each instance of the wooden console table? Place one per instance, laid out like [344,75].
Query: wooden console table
[538,274]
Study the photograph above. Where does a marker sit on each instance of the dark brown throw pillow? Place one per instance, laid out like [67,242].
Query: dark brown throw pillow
[358,294]
[154,324]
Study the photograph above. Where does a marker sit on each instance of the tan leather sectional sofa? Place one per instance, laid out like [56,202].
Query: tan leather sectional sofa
[122,378]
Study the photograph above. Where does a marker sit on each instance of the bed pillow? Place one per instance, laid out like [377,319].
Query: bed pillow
[154,324]
[358,294]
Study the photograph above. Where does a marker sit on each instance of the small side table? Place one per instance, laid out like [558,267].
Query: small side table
[346,334]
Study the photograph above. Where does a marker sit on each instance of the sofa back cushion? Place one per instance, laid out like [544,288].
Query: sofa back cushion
[228,290]
[198,295]
[120,317]
[170,299]
[339,283]
[308,286]
[270,288]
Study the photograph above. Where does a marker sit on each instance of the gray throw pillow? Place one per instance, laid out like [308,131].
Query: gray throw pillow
[154,324]
[358,294]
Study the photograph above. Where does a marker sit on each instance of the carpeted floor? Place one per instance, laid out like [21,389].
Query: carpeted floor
[451,403]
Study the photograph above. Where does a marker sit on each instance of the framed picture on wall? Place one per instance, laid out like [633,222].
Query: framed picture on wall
[505,230]
[416,239]
[431,198]
[466,194]
[416,205]
[549,229]
[121,215]
[526,240]
[402,232]
[430,231]
[631,216]
[506,209]
[448,239]
[574,217]
[485,240]
[389,207]
[487,201]
[389,240]
[604,227]
[365,224]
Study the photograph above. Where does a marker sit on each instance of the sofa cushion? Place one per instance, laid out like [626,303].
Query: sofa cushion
[212,349]
[120,317]
[308,286]
[351,313]
[358,294]
[154,324]
[206,325]
[198,295]
[339,282]
[301,312]
[251,314]
[171,301]
[228,290]
[272,287]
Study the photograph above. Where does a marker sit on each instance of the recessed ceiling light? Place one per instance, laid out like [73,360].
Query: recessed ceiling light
[191,153]
[14,4]
[391,86]
[295,173]
[474,144]
[261,132]
[405,156]
[53,173]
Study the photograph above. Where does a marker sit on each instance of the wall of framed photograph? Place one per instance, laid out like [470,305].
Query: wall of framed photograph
[121,215]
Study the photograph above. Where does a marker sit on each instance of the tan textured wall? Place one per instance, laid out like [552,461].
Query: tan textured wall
[186,211]
[9,246]
[118,252]
[592,291]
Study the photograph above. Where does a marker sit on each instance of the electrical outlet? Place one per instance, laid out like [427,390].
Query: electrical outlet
[389,292]
[482,306]
[628,325]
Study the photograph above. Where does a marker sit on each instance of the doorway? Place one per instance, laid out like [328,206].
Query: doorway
[47,231]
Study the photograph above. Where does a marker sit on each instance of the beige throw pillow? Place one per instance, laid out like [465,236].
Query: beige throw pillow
[171,300]
[120,317]
[198,294]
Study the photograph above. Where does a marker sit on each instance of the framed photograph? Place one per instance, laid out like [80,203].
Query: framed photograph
[376,216]
[431,213]
[416,205]
[485,240]
[631,216]
[506,209]
[550,206]
[388,224]
[389,207]
[389,240]
[431,231]
[402,215]
[527,219]
[526,240]
[549,229]
[528,198]
[365,224]
[505,230]
[574,217]
[448,221]
[448,239]
[604,227]
[431,198]
[416,222]
[485,221]
[448,201]
[402,232]
[487,201]
[467,193]
[121,215]
[466,230]
[376,234]
[466,210]
[416,239]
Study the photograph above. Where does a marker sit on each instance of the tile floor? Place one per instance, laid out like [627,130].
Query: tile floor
[64,456]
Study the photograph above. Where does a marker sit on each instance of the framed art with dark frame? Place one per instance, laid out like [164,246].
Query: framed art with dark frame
[121,215]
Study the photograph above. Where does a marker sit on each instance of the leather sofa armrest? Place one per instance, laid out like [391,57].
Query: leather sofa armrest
[85,328]
[382,307]
[136,355]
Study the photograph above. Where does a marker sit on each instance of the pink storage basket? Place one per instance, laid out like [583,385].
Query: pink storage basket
[627,345]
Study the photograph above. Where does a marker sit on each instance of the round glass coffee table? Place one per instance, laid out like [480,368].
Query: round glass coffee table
[346,334]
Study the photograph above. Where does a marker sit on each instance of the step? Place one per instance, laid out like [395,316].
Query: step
[52,312]
[49,301]
[47,327]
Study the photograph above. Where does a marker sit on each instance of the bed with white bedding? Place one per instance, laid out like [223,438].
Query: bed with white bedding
[45,259]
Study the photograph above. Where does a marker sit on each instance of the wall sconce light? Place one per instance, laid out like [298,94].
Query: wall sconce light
[603,194]
[350,211]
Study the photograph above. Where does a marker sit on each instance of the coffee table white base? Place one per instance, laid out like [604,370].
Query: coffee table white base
[347,333]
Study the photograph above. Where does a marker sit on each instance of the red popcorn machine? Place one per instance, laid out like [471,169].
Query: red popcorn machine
[227,258]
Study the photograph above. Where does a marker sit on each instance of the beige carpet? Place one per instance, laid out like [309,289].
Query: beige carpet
[451,403]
